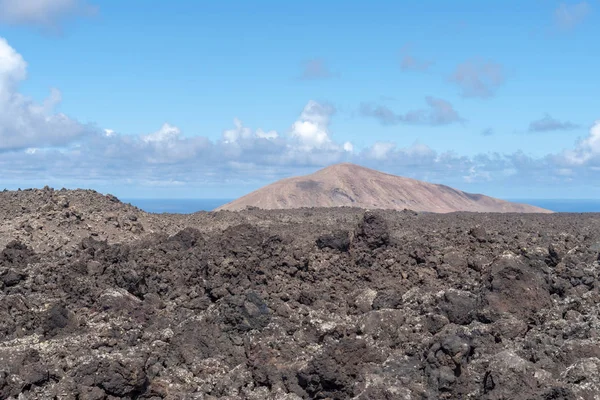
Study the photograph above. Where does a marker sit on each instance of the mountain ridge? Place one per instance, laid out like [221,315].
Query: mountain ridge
[353,185]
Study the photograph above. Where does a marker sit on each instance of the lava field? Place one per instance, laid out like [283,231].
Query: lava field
[100,300]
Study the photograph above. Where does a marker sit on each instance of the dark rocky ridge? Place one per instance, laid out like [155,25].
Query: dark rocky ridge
[298,304]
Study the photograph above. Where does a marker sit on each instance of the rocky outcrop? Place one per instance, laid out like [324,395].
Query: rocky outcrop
[303,304]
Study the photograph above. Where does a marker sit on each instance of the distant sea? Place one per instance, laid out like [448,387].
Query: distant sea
[188,206]
[176,206]
[564,205]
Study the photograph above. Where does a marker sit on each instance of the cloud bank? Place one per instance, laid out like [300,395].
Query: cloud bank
[23,122]
[38,144]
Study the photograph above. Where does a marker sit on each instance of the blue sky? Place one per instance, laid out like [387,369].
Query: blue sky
[190,99]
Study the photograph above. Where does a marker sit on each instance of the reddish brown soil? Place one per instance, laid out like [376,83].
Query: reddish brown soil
[351,185]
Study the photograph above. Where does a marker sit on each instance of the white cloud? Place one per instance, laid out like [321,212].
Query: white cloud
[312,128]
[420,150]
[165,146]
[592,142]
[380,150]
[167,156]
[266,135]
[23,122]
[47,13]
[232,135]
[587,149]
[13,68]
[476,176]
[310,133]
[240,132]
[166,134]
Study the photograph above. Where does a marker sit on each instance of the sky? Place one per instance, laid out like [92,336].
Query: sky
[194,99]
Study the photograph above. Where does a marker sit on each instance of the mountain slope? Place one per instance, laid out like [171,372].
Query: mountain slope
[355,186]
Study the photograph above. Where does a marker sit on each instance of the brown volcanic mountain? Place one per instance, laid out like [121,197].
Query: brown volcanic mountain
[355,186]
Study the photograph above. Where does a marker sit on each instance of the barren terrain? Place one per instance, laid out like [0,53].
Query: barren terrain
[100,300]
[351,185]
